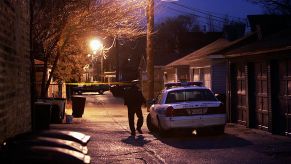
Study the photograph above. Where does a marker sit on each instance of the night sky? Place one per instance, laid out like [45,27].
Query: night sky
[235,9]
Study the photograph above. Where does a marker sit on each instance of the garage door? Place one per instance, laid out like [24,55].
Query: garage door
[262,106]
[241,96]
[285,93]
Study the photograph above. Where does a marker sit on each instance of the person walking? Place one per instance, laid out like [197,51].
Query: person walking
[133,99]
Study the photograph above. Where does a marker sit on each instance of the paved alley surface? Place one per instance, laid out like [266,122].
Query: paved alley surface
[105,120]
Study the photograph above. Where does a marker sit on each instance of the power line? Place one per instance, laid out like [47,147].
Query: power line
[179,11]
[216,27]
[204,12]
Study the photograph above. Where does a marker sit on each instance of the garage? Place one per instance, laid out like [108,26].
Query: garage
[262,96]
[285,97]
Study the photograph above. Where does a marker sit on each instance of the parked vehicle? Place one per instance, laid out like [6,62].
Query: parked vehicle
[186,106]
[100,88]
[118,90]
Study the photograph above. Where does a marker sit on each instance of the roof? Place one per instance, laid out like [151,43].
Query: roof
[276,42]
[204,51]
[216,47]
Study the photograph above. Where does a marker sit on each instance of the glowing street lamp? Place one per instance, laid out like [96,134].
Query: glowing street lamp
[96,45]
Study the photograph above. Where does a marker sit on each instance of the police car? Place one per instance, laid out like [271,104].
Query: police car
[186,105]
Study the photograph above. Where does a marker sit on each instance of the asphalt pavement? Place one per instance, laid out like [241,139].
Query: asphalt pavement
[105,120]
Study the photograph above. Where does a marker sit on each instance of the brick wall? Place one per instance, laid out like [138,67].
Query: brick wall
[15,107]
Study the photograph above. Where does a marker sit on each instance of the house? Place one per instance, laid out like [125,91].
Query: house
[197,66]
[55,89]
[257,74]
[207,64]
[259,83]
[193,41]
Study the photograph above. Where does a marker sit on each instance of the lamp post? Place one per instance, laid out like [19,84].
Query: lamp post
[96,45]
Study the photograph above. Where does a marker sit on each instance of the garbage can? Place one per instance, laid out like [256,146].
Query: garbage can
[78,106]
[42,117]
[58,108]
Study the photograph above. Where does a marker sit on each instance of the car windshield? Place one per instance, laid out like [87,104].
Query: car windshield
[190,95]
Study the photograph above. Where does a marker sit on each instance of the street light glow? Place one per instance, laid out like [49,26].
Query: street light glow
[95,45]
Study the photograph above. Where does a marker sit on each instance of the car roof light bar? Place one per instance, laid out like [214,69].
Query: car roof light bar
[178,84]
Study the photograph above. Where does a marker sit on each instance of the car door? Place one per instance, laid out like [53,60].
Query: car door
[154,109]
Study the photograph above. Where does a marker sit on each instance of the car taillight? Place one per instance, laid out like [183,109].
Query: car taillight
[169,111]
[216,110]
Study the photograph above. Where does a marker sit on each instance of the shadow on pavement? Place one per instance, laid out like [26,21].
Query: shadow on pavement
[190,141]
[135,140]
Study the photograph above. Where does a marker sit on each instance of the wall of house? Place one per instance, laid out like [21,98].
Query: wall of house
[218,73]
[183,73]
[15,106]
[171,75]
[202,74]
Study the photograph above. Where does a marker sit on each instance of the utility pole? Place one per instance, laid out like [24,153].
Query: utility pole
[149,49]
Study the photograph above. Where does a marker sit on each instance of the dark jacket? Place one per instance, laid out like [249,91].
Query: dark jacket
[133,97]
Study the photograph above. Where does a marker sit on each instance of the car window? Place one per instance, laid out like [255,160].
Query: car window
[190,95]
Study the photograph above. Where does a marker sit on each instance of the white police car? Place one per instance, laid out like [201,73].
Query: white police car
[188,106]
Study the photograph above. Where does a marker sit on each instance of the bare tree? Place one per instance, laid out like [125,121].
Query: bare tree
[170,33]
[63,27]
[280,7]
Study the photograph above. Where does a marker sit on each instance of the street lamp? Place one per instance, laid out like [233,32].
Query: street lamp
[96,45]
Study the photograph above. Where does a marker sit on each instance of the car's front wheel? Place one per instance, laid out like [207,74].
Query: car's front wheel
[149,123]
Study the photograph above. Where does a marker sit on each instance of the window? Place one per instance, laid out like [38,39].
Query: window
[190,95]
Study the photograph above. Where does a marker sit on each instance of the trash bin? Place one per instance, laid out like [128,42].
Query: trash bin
[42,117]
[58,108]
[78,106]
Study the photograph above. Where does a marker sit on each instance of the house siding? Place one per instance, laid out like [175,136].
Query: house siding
[183,73]
[171,75]
[15,107]
[203,75]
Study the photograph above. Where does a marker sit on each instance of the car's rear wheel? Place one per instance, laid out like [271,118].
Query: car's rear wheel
[149,123]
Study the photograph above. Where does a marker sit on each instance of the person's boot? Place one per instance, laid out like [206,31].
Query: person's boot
[133,133]
[139,130]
